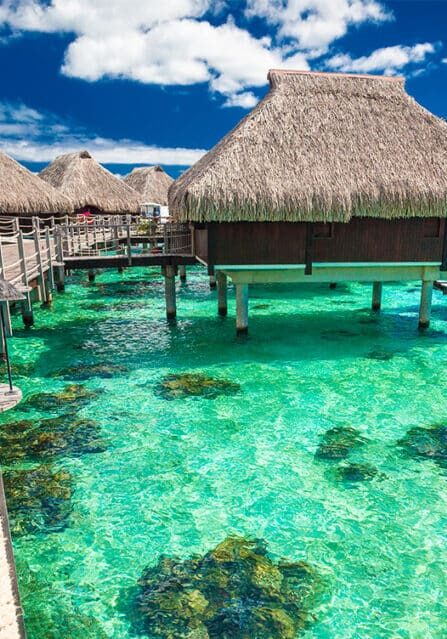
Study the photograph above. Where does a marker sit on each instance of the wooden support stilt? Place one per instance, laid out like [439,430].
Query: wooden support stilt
[182,272]
[377,296]
[333,285]
[40,278]
[242,309]
[7,318]
[27,311]
[91,275]
[222,290]
[60,269]
[213,283]
[169,273]
[425,306]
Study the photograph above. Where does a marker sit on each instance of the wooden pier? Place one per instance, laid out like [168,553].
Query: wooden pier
[36,258]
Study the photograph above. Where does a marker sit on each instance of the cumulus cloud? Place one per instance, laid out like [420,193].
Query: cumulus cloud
[316,24]
[29,135]
[175,42]
[388,60]
[246,100]
[186,42]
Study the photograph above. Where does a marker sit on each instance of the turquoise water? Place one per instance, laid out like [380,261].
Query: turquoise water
[179,476]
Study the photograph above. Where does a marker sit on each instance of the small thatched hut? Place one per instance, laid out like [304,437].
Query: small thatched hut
[152,182]
[24,194]
[331,177]
[89,186]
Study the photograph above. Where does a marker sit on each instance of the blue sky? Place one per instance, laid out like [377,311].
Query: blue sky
[161,81]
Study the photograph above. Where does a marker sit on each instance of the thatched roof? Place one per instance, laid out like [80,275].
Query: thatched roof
[8,292]
[322,147]
[23,193]
[86,183]
[152,182]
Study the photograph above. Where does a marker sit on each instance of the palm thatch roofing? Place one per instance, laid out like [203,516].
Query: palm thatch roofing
[23,193]
[8,292]
[86,183]
[152,182]
[322,147]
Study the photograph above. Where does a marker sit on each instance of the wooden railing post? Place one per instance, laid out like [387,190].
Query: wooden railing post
[49,258]
[129,244]
[27,309]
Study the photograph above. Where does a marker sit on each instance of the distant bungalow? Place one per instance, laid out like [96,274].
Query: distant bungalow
[330,178]
[24,194]
[89,186]
[153,183]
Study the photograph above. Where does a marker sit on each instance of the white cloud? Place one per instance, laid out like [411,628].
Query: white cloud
[388,60]
[246,100]
[29,135]
[316,24]
[171,42]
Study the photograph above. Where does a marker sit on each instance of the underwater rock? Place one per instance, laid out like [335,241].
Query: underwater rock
[338,442]
[354,472]
[430,443]
[46,438]
[82,372]
[235,591]
[195,385]
[38,500]
[22,369]
[382,356]
[74,394]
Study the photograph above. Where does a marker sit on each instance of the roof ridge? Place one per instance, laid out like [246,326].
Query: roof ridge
[335,74]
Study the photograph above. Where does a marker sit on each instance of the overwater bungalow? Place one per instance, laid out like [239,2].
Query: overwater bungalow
[23,194]
[330,178]
[153,183]
[89,186]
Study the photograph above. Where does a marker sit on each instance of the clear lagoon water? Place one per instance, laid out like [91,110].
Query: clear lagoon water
[179,476]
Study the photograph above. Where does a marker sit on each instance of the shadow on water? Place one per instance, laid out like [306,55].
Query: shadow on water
[202,341]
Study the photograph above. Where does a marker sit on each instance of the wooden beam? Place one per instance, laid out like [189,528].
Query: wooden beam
[309,248]
[444,248]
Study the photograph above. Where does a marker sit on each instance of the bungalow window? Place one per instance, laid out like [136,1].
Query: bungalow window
[324,230]
[432,227]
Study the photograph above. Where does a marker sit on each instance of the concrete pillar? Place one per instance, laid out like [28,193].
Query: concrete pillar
[27,311]
[377,296]
[182,272]
[242,309]
[213,283]
[91,275]
[171,306]
[222,290]
[425,307]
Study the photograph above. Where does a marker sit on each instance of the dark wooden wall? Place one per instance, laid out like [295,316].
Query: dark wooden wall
[361,240]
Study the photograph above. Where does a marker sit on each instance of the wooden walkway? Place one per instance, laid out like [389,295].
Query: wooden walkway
[11,616]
